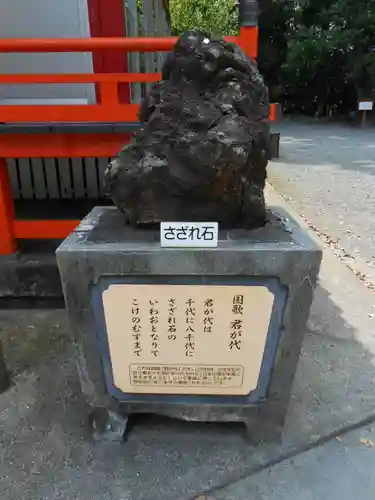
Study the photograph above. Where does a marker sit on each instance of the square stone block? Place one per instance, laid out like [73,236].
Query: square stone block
[198,334]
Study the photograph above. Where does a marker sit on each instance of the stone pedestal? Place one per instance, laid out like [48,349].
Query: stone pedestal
[197,334]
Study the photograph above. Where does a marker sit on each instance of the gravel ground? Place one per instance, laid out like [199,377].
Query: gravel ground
[326,172]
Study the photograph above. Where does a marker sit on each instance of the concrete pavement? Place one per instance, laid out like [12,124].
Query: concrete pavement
[342,469]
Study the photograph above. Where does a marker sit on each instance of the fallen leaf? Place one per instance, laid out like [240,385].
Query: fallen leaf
[367,442]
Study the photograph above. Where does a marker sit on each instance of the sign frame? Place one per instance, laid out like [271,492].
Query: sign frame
[255,396]
[189,234]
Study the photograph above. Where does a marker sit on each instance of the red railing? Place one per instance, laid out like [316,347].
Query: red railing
[108,109]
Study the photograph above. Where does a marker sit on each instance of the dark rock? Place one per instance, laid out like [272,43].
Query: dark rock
[202,153]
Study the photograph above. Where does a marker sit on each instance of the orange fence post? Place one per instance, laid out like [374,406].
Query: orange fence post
[248,39]
[7,241]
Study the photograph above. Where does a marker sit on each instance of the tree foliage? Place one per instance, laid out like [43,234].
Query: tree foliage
[330,57]
[274,22]
[218,17]
[316,55]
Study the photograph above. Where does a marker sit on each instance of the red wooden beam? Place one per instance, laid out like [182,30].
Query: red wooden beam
[44,229]
[128,44]
[61,145]
[81,78]
[92,113]
[7,242]
[109,21]
[121,113]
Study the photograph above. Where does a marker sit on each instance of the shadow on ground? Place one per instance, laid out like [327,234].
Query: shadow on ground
[323,144]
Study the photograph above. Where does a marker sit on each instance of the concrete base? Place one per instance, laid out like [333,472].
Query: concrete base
[30,275]
[102,246]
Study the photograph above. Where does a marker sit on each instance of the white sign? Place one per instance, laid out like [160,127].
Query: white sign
[189,234]
[366,106]
[187,339]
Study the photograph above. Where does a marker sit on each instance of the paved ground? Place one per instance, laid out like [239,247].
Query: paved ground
[342,469]
[327,173]
[46,453]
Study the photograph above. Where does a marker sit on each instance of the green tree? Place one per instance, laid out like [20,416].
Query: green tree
[217,17]
[330,56]
[275,19]
[355,25]
[220,17]
[317,55]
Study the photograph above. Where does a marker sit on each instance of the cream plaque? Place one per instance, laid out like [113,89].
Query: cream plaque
[187,339]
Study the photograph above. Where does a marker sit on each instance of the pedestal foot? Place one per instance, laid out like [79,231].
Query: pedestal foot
[107,425]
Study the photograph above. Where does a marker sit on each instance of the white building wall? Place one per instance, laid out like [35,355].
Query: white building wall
[45,19]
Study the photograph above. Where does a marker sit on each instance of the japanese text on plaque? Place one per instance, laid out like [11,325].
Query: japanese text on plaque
[187,339]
